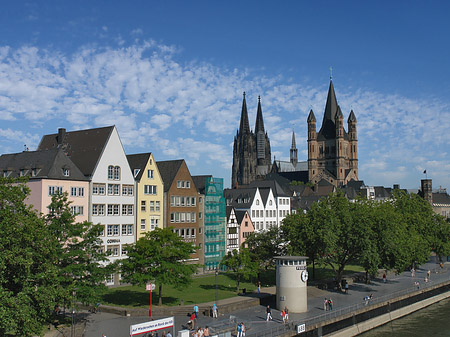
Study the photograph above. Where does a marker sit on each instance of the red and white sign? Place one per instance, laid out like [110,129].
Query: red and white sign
[138,329]
[150,286]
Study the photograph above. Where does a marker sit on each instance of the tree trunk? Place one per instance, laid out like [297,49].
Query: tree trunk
[160,295]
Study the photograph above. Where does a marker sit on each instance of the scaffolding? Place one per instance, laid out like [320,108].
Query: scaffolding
[214,223]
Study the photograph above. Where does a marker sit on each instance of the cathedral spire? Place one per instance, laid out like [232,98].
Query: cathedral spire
[293,146]
[244,126]
[293,152]
[331,106]
[259,126]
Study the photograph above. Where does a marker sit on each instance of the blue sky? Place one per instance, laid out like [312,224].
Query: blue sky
[170,76]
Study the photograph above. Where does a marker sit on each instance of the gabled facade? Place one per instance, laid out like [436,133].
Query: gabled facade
[245,227]
[233,235]
[212,204]
[100,156]
[49,172]
[332,152]
[181,204]
[251,150]
[149,193]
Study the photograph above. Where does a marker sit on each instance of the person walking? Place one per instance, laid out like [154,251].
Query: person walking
[283,314]
[346,287]
[286,314]
[242,329]
[214,310]
[239,330]
[330,304]
[196,310]
[259,287]
[269,313]
[325,305]
[384,278]
[206,331]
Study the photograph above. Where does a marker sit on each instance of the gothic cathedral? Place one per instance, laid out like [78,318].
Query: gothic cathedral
[251,150]
[332,152]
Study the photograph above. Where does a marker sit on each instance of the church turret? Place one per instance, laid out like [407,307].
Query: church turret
[313,150]
[293,152]
[244,127]
[263,153]
[353,143]
[340,165]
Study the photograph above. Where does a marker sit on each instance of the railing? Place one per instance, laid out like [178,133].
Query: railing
[282,329]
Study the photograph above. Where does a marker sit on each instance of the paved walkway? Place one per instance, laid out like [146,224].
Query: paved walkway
[254,318]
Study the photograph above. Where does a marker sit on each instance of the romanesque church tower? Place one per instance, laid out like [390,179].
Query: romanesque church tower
[251,150]
[332,152]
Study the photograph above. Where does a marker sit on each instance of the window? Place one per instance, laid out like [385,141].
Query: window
[193,217]
[113,172]
[110,278]
[55,190]
[257,202]
[157,206]
[200,199]
[66,172]
[113,189]
[77,191]
[232,230]
[77,210]
[192,201]
[152,206]
[172,200]
[33,172]
[101,209]
[143,224]
[183,184]
[124,250]
[116,173]
[150,174]
[116,230]
[127,209]
[172,217]
[127,190]
[199,215]
[124,229]
[113,209]
[188,184]
[143,206]
[153,223]
[110,172]
[98,189]
[183,201]
[270,202]
[253,213]
[150,189]
[136,172]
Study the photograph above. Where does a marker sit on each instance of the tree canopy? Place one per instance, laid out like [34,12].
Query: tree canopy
[241,264]
[28,269]
[159,257]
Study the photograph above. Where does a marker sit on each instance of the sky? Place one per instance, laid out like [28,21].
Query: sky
[170,75]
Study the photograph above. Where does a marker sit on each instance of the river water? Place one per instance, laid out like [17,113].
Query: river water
[433,320]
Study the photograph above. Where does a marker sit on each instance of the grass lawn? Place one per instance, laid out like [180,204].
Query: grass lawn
[202,289]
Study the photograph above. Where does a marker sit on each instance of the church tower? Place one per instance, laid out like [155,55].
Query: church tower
[332,152]
[293,151]
[251,150]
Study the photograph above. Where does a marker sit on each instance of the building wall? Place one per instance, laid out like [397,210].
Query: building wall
[119,227]
[177,214]
[149,204]
[246,228]
[78,194]
[232,233]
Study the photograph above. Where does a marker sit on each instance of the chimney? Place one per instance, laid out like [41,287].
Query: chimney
[61,135]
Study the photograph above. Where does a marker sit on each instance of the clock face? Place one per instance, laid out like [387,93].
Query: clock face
[304,276]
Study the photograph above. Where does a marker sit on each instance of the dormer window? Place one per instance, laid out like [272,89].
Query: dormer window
[33,172]
[5,173]
[66,172]
[21,173]
[136,172]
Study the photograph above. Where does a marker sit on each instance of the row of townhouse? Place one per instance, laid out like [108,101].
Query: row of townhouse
[129,194]
[256,208]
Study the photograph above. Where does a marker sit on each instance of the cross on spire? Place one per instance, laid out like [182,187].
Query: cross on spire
[331,73]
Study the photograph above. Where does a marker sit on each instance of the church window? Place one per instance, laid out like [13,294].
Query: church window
[257,202]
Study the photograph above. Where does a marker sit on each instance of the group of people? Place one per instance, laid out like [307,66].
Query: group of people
[367,299]
[201,332]
[285,315]
[240,329]
[328,304]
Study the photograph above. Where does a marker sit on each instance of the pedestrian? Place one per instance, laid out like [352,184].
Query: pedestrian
[163,334]
[242,329]
[428,274]
[413,272]
[196,310]
[325,305]
[417,284]
[346,287]
[214,310]
[269,313]
[259,287]
[366,299]
[169,334]
[384,278]
[283,314]
[239,330]
[330,304]
[206,331]
[286,314]
[191,322]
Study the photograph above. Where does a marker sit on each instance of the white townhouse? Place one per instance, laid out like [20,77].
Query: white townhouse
[232,231]
[99,154]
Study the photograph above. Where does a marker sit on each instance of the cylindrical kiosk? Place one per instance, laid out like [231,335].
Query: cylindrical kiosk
[292,278]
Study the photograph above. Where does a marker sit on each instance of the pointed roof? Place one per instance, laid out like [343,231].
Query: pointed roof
[328,128]
[259,126]
[351,117]
[200,182]
[168,170]
[244,127]
[311,117]
[138,161]
[339,113]
[293,146]
[83,147]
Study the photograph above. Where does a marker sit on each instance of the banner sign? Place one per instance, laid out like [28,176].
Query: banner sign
[159,324]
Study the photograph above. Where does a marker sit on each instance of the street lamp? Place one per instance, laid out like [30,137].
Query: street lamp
[217,272]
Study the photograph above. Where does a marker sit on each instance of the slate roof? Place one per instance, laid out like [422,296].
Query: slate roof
[138,161]
[234,195]
[270,183]
[441,199]
[287,166]
[47,164]
[200,182]
[240,215]
[168,170]
[228,210]
[84,147]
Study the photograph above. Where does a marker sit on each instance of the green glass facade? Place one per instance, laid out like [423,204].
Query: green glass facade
[214,223]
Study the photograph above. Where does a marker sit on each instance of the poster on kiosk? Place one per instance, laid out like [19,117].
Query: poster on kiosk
[160,324]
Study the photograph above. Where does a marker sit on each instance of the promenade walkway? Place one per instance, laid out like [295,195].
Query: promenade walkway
[254,317]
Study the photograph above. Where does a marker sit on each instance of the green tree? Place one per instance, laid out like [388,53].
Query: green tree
[81,261]
[28,272]
[263,246]
[241,264]
[159,257]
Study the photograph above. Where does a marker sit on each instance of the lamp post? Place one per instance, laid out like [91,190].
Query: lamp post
[217,272]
